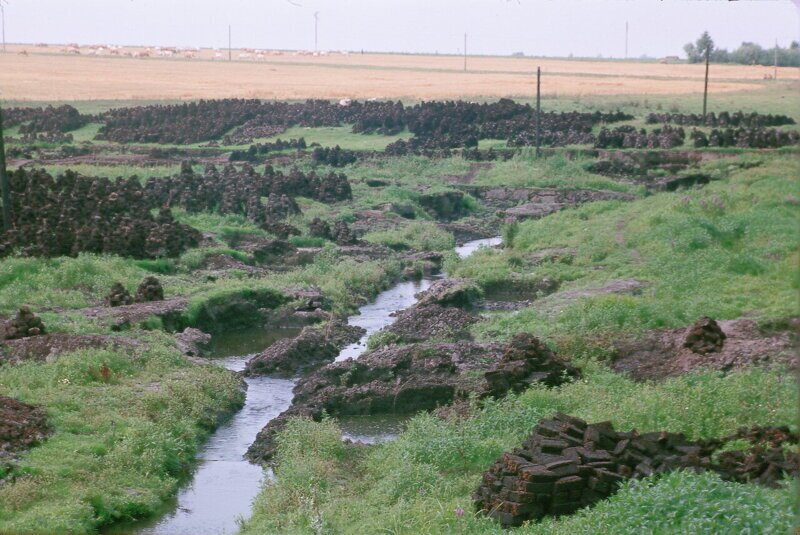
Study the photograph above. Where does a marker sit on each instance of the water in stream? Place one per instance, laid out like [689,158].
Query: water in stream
[224,483]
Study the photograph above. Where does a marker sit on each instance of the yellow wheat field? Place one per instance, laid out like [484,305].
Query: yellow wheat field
[45,74]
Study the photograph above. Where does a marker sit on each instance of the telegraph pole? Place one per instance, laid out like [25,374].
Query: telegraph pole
[230,55]
[705,89]
[316,24]
[775,75]
[465,52]
[626,39]
[538,111]
[3,16]
[4,185]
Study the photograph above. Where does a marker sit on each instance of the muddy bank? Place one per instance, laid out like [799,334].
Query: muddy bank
[232,310]
[429,323]
[516,294]
[523,203]
[21,426]
[311,348]
[47,347]
[450,292]
[170,311]
[661,354]
[631,164]
[404,379]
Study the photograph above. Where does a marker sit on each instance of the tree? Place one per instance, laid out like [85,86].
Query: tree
[746,54]
[750,54]
[704,44]
[691,52]
[696,52]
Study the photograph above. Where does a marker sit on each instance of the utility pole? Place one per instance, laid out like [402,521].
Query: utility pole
[316,25]
[3,16]
[705,89]
[465,52]
[230,55]
[626,39]
[4,185]
[538,111]
[775,74]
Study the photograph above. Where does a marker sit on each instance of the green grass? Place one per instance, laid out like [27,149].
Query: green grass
[63,282]
[346,282]
[195,258]
[339,135]
[232,304]
[409,170]
[415,483]
[121,444]
[557,171]
[225,227]
[115,171]
[419,235]
[86,133]
[726,250]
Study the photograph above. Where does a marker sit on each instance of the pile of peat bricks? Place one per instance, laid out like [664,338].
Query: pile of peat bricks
[149,290]
[23,325]
[704,336]
[566,464]
[118,296]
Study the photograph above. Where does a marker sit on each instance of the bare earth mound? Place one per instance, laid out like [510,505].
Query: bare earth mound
[662,354]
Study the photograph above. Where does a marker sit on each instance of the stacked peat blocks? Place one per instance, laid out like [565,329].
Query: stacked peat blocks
[118,296]
[705,336]
[149,290]
[527,360]
[23,325]
[567,464]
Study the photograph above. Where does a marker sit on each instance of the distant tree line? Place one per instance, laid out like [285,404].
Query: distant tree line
[746,54]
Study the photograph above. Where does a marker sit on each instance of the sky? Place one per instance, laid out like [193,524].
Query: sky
[587,28]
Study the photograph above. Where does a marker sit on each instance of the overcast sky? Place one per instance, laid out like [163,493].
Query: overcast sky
[535,27]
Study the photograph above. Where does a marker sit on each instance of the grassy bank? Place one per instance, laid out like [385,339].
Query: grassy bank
[418,483]
[127,424]
[727,250]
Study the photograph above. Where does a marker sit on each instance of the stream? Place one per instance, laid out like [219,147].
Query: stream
[224,483]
